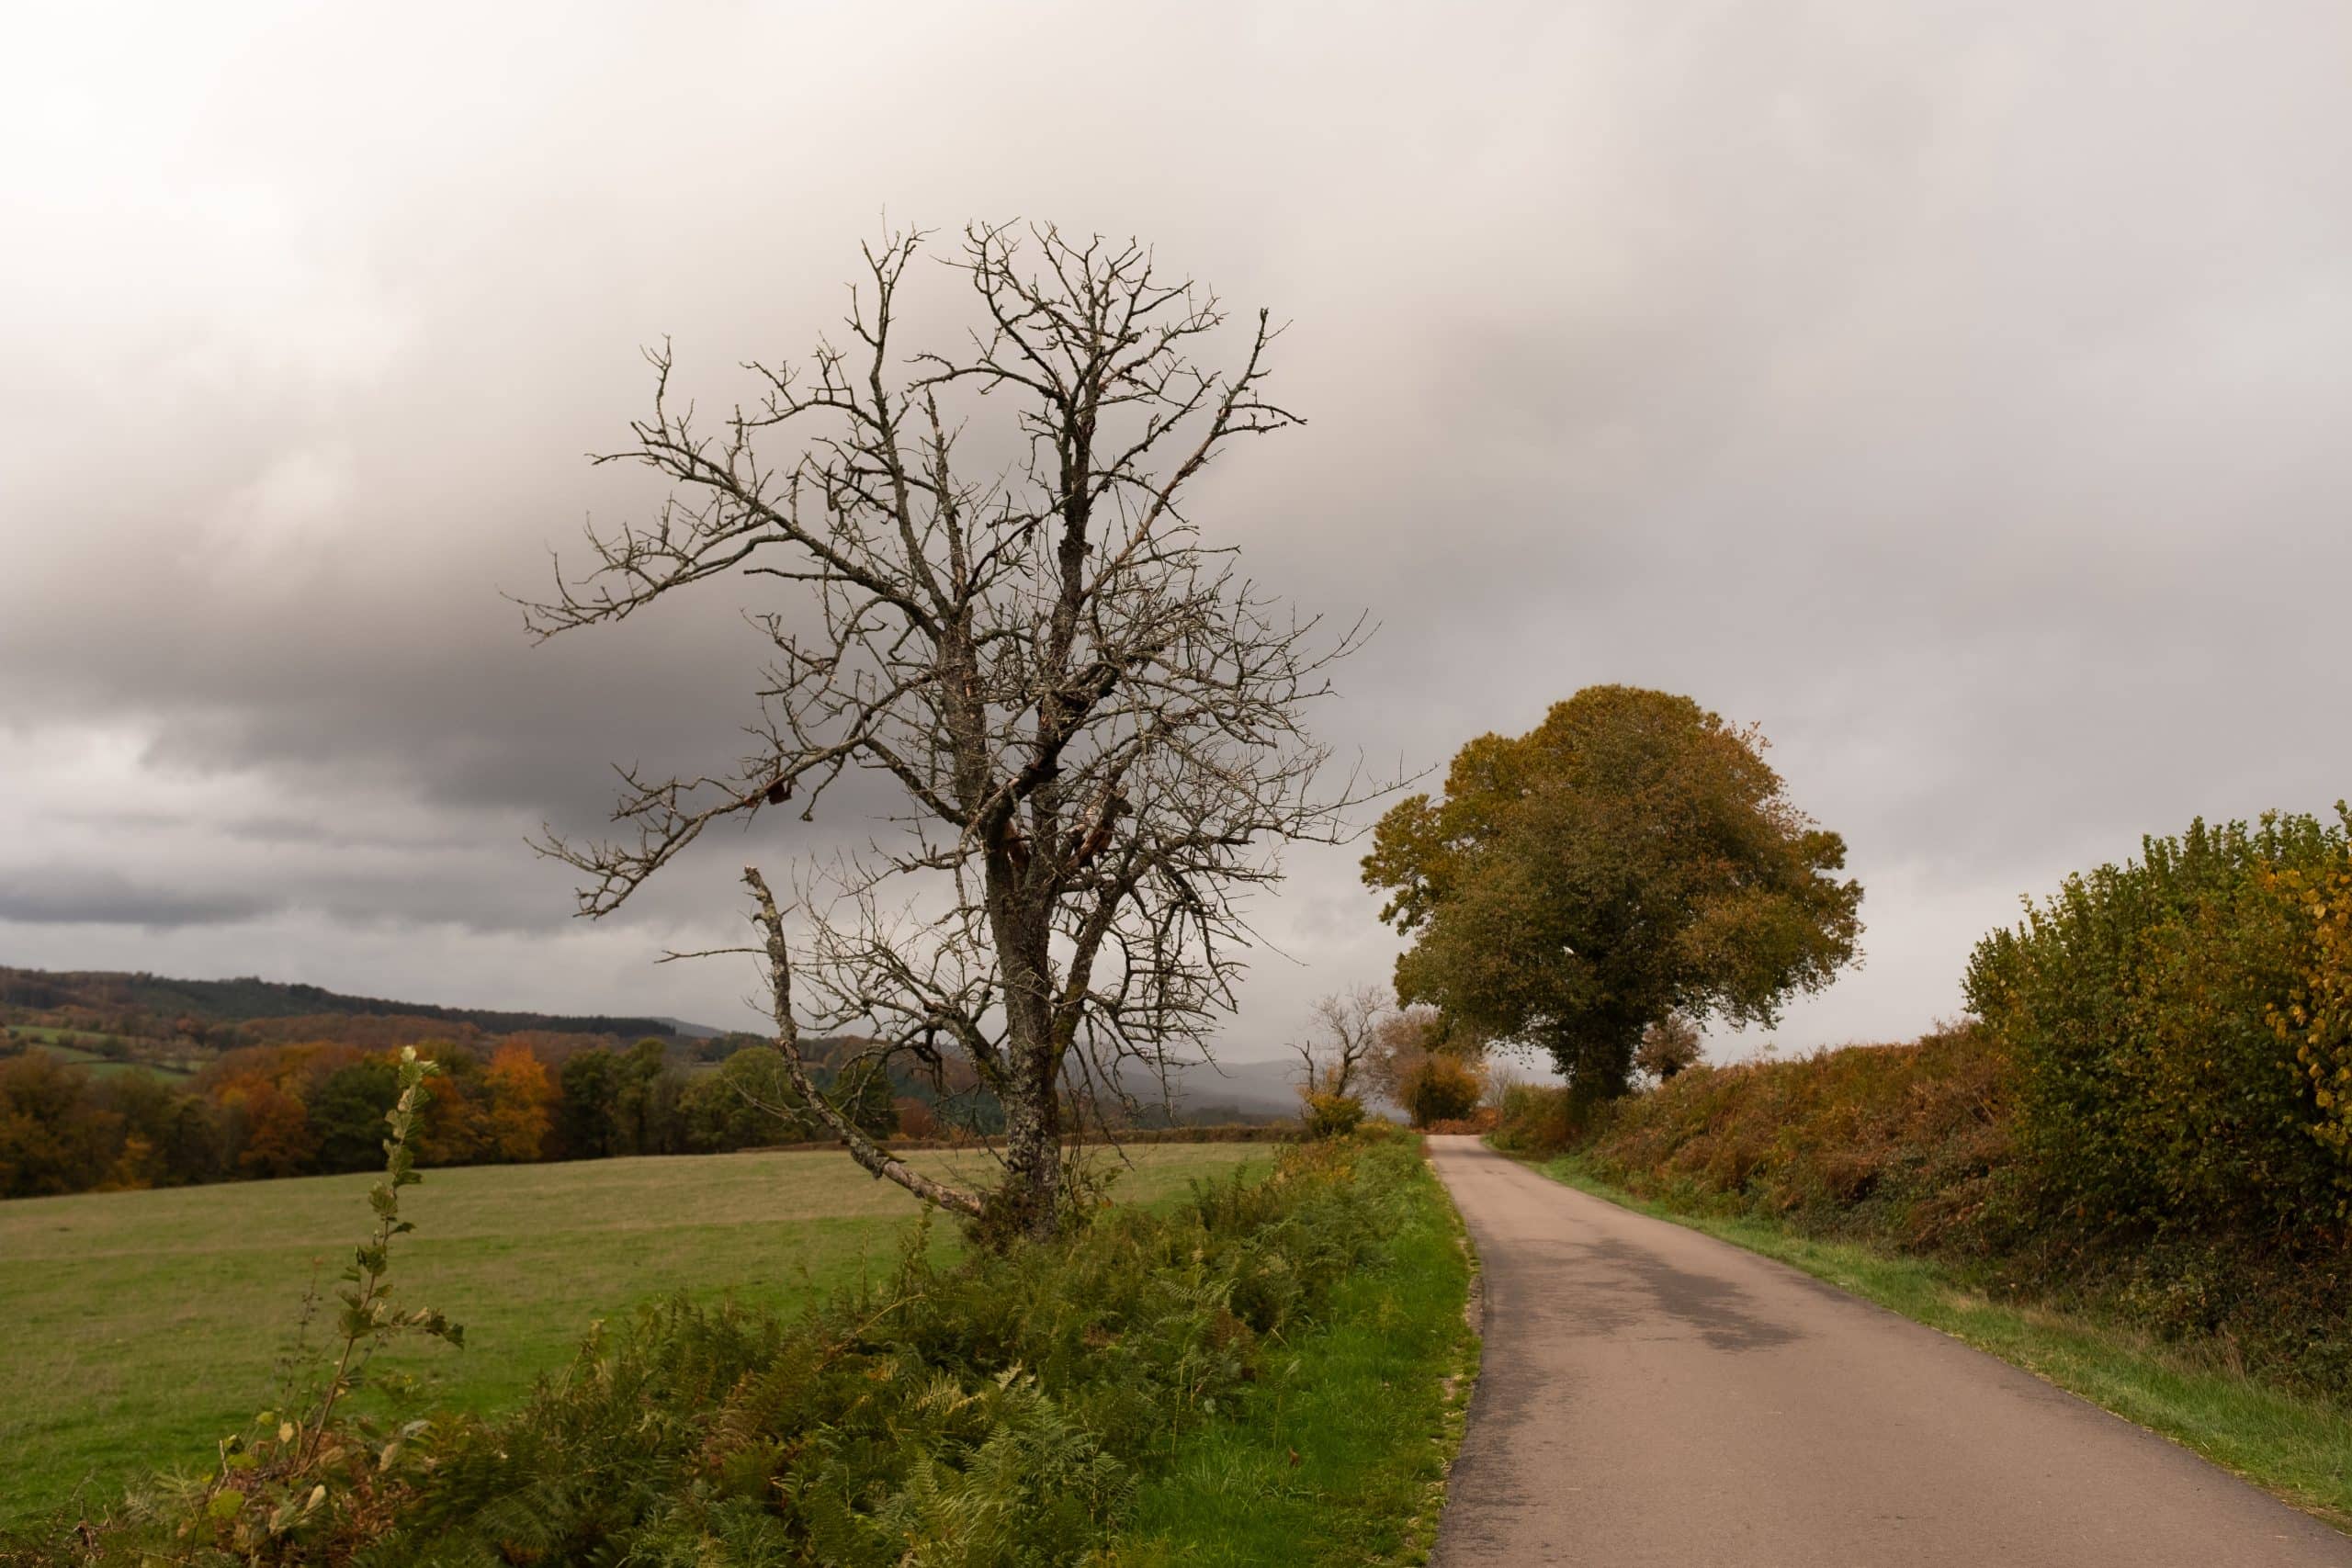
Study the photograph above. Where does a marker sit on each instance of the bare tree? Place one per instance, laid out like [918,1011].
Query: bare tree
[1400,1041]
[1345,1029]
[1093,724]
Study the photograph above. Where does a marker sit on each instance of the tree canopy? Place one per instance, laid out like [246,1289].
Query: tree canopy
[1631,858]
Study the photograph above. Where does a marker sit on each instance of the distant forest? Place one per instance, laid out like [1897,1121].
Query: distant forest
[111,1081]
[152,1005]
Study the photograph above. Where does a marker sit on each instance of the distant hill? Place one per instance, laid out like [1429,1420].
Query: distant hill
[156,996]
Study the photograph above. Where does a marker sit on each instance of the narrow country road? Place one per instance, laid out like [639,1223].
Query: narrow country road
[1652,1395]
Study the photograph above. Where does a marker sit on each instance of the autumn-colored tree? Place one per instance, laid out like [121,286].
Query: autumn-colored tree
[1632,857]
[454,1126]
[1442,1086]
[521,1098]
[917,1119]
[278,1137]
[52,1137]
[1667,1046]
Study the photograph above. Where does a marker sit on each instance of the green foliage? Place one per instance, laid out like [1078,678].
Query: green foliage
[1629,858]
[348,1111]
[1439,1086]
[583,1120]
[1331,1115]
[2315,1018]
[1002,1410]
[749,1101]
[2156,1099]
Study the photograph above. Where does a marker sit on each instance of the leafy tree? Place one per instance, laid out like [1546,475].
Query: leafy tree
[750,1100]
[1629,858]
[1667,1046]
[52,1137]
[347,1109]
[277,1139]
[590,1080]
[645,1114]
[453,1125]
[982,575]
[2316,1016]
[1441,1087]
[522,1100]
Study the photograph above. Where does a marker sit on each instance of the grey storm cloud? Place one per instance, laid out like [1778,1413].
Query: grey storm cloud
[76,895]
[1957,390]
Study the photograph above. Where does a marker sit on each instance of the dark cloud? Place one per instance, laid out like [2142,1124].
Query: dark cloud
[75,895]
[1956,390]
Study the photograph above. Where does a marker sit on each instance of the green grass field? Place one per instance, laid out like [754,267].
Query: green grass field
[2294,1446]
[142,1326]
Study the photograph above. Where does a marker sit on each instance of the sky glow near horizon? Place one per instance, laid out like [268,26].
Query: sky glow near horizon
[1957,392]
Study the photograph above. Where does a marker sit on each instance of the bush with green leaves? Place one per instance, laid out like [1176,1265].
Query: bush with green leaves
[1441,1087]
[1331,1115]
[2156,1097]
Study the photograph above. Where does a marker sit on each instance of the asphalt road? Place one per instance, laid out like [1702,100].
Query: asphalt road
[1652,1395]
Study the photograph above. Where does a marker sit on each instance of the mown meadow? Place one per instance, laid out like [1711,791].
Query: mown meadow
[144,1326]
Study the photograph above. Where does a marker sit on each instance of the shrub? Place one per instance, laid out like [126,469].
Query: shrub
[1439,1087]
[1536,1120]
[1911,1143]
[1329,1115]
[2155,1095]
[2315,1018]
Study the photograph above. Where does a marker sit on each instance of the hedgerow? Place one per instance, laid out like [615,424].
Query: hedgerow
[2155,1098]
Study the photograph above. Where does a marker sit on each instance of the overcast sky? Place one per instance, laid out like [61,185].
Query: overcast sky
[1961,392]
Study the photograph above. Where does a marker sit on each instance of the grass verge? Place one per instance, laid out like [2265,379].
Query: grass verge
[2297,1446]
[1338,1455]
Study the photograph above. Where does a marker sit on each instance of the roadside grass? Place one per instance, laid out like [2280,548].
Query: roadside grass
[1338,1456]
[2297,1446]
[143,1326]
